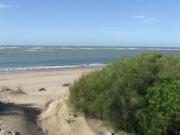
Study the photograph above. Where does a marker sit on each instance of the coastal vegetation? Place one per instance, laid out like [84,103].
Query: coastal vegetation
[139,95]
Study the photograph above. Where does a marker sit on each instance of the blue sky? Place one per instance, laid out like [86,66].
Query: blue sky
[90,22]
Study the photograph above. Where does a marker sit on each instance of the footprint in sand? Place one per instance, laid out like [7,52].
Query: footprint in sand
[2,125]
[3,132]
[1,122]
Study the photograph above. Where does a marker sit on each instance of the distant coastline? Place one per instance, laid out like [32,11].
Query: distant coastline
[53,48]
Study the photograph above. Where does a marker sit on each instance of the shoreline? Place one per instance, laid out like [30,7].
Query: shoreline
[50,70]
[44,68]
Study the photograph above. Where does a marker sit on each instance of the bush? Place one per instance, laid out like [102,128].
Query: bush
[162,115]
[122,93]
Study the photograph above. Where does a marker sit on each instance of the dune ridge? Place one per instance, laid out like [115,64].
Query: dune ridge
[56,118]
[59,117]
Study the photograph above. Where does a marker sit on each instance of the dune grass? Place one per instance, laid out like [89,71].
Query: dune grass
[18,90]
[139,95]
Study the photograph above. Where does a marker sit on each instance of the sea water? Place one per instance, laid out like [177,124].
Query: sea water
[56,57]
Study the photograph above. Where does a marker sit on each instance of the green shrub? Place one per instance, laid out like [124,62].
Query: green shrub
[161,115]
[121,92]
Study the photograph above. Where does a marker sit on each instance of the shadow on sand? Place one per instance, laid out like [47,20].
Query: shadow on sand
[27,111]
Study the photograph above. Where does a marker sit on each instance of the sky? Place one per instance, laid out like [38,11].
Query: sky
[90,22]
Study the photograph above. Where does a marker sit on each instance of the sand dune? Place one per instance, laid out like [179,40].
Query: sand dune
[47,91]
[58,117]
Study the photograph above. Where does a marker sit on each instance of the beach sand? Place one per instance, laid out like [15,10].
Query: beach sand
[38,104]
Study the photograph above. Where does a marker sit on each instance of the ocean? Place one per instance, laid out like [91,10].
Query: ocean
[13,58]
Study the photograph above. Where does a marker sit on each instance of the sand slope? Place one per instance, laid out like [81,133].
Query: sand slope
[56,118]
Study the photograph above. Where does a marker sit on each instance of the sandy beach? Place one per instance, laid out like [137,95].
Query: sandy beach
[31,82]
[35,103]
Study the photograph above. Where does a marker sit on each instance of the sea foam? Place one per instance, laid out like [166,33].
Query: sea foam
[53,67]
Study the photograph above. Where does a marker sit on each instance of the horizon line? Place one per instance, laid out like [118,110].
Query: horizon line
[68,45]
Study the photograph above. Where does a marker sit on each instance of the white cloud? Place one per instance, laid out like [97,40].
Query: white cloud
[152,19]
[138,17]
[3,6]
[144,18]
